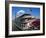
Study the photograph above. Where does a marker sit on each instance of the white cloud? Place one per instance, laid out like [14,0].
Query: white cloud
[20,13]
[13,18]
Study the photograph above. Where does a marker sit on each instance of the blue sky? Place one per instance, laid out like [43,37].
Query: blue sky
[34,12]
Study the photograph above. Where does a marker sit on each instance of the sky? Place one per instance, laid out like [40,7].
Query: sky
[33,11]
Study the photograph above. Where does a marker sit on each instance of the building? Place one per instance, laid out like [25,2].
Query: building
[29,22]
[26,22]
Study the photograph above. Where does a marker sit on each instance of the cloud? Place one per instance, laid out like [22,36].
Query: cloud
[20,13]
[13,17]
